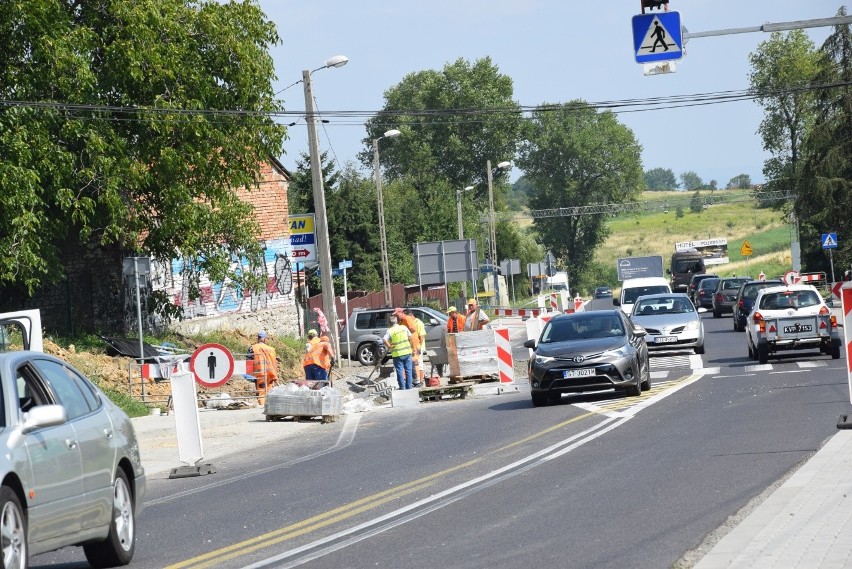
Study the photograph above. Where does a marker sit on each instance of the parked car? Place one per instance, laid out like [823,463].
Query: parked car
[671,322]
[725,295]
[588,351]
[692,287]
[745,300]
[791,317]
[603,292]
[704,294]
[71,470]
[369,325]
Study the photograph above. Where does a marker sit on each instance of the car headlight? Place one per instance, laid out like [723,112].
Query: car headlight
[618,353]
[543,359]
[694,325]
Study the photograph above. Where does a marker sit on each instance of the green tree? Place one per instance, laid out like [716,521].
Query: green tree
[824,197]
[442,139]
[691,181]
[782,67]
[740,182]
[575,156]
[696,203]
[300,190]
[660,179]
[122,146]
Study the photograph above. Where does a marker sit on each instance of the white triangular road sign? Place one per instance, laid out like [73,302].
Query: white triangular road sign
[829,241]
[658,40]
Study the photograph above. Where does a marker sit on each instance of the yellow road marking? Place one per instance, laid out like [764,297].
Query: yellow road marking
[346,511]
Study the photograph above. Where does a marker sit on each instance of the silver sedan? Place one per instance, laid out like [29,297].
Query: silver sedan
[71,473]
[671,321]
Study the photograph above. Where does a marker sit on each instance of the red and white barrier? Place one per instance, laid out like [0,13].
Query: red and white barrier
[524,312]
[165,370]
[505,365]
[846,305]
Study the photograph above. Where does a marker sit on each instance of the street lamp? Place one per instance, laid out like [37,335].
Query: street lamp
[500,166]
[323,248]
[382,234]
[461,226]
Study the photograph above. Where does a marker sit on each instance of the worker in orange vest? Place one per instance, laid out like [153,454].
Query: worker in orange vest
[409,321]
[455,322]
[307,358]
[265,365]
[321,357]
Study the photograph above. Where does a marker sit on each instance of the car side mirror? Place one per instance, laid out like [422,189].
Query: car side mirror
[433,322]
[530,344]
[616,302]
[639,331]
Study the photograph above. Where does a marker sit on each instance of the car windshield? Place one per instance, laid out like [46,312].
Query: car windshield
[582,328]
[709,283]
[662,305]
[733,284]
[789,299]
[631,294]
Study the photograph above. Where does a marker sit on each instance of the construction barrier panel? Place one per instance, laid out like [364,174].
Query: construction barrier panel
[846,305]
[523,312]
[505,365]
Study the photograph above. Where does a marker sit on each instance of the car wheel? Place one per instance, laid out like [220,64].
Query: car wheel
[119,545]
[751,355]
[835,352]
[646,385]
[763,353]
[539,399]
[13,537]
[366,355]
[699,349]
[716,313]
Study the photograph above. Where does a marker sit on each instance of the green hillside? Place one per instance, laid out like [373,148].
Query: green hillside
[656,230]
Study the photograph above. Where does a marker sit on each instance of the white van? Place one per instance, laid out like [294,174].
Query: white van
[631,289]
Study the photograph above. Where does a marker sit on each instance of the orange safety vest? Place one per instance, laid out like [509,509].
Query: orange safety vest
[308,359]
[409,322]
[455,323]
[265,364]
[322,353]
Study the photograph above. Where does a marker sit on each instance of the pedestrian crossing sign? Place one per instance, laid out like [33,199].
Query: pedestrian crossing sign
[829,240]
[657,37]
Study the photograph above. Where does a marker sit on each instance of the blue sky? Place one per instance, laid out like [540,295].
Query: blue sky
[554,50]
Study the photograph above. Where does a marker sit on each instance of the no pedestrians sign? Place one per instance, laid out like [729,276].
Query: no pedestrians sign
[212,365]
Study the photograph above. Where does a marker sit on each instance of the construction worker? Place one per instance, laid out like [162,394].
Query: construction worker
[307,358]
[455,322]
[417,358]
[476,317]
[397,340]
[407,319]
[265,365]
[319,360]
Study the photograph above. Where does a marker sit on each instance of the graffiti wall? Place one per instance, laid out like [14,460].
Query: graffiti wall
[227,297]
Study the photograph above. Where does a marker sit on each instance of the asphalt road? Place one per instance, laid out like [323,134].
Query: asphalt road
[601,480]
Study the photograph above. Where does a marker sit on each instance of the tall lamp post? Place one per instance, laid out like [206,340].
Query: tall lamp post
[494,263]
[461,225]
[323,248]
[382,233]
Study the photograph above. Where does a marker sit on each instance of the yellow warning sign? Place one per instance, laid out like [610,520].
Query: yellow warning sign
[745,250]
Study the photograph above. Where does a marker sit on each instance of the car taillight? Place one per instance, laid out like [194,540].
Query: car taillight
[758,317]
[719,297]
[833,321]
[741,303]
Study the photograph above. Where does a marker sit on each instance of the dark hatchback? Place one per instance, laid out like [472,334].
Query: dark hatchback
[692,287]
[744,302]
[725,295]
[603,292]
[588,351]
[704,294]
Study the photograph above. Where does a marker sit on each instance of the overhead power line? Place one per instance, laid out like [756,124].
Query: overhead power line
[650,206]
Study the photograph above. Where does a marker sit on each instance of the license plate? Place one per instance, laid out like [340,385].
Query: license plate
[578,373]
[665,339]
[798,328]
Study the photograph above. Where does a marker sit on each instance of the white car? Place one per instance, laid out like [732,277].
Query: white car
[791,317]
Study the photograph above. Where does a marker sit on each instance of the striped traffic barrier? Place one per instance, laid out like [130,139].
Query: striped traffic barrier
[166,369]
[846,306]
[524,312]
[505,365]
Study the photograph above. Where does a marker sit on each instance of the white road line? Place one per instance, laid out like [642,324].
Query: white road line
[758,367]
[659,374]
[811,364]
